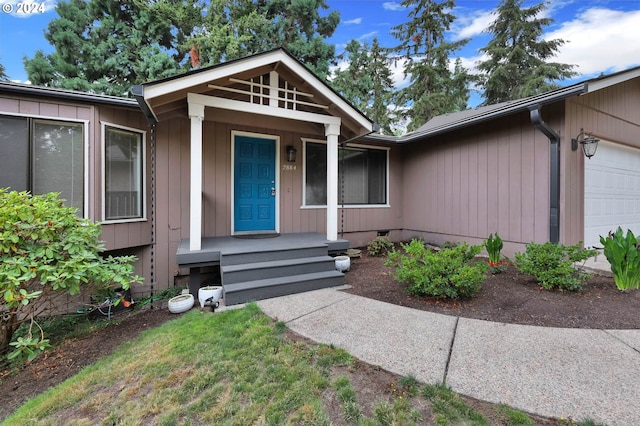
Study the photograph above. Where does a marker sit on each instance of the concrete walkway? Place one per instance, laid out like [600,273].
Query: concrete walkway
[552,372]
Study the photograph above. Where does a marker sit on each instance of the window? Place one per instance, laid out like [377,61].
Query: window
[123,174]
[362,175]
[43,156]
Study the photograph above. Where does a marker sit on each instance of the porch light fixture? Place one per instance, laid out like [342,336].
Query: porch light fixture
[291,154]
[588,142]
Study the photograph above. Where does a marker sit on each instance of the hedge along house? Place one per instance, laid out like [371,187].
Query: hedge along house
[513,168]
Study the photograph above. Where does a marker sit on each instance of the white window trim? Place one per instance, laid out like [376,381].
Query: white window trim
[103,139]
[85,131]
[306,206]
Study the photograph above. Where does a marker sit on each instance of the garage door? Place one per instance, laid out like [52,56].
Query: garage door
[612,191]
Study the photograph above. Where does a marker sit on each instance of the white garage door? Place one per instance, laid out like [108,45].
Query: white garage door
[612,192]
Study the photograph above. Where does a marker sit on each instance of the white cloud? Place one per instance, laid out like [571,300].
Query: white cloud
[368,35]
[599,39]
[391,5]
[353,21]
[27,8]
[469,25]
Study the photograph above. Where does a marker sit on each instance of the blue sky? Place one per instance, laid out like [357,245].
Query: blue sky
[602,36]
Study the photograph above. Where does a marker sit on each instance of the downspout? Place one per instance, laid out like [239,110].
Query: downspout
[554,171]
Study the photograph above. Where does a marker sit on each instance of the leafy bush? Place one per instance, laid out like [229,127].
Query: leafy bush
[47,251]
[449,272]
[380,246]
[553,265]
[623,253]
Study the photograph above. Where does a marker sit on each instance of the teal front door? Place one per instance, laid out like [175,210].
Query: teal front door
[254,184]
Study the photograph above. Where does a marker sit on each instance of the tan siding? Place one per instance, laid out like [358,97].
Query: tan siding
[471,183]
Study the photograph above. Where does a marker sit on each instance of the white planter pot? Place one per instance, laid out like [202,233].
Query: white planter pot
[181,303]
[207,292]
[343,263]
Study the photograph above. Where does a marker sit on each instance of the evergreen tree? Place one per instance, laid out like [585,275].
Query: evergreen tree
[3,73]
[366,81]
[434,89]
[517,58]
[106,46]
[238,28]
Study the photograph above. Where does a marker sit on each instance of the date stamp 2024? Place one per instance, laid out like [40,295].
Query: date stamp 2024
[23,8]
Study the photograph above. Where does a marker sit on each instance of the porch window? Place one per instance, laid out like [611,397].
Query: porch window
[362,175]
[123,174]
[43,156]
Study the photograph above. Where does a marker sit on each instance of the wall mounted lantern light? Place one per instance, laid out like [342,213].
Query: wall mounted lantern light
[291,154]
[588,142]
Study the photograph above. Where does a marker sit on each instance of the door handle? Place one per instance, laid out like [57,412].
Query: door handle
[273,192]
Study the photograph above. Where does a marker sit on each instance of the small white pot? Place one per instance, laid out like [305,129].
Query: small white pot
[181,303]
[343,263]
[212,291]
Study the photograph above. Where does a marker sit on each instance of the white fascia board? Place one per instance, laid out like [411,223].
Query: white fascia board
[605,82]
[187,81]
[232,105]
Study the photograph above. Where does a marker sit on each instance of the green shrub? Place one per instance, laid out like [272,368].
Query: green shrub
[46,250]
[553,265]
[380,246]
[449,272]
[623,253]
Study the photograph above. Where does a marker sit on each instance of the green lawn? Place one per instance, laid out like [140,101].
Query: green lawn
[236,368]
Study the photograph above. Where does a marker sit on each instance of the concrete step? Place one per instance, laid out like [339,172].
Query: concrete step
[232,274]
[273,287]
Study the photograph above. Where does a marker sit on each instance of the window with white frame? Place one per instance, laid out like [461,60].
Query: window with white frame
[362,175]
[123,173]
[41,155]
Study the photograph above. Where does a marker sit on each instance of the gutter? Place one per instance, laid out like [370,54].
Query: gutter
[554,170]
[137,92]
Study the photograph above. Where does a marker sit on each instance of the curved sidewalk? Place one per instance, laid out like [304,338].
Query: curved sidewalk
[553,372]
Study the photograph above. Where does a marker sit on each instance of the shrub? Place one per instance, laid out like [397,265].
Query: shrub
[47,251]
[553,265]
[380,246]
[449,272]
[623,253]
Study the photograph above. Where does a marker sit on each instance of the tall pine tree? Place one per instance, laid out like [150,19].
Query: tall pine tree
[434,88]
[366,81]
[106,46]
[517,63]
[238,28]
[3,73]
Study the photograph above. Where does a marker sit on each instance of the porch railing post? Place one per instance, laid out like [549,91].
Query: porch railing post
[331,132]
[196,114]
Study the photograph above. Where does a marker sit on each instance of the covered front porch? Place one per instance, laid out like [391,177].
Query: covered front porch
[262,266]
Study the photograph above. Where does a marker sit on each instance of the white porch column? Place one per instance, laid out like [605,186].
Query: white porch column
[196,114]
[331,132]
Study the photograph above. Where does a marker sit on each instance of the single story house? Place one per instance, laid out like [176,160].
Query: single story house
[255,170]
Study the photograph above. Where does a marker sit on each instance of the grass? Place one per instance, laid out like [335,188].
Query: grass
[235,368]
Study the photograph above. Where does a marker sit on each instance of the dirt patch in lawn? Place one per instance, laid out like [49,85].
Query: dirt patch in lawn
[510,297]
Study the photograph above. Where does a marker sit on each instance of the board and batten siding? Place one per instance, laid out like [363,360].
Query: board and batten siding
[173,182]
[125,238]
[469,183]
[611,114]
